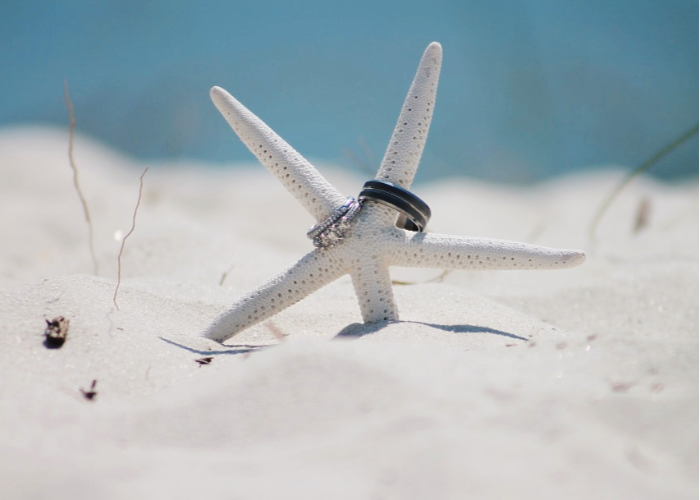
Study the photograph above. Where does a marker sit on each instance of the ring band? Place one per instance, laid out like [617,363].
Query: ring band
[415,213]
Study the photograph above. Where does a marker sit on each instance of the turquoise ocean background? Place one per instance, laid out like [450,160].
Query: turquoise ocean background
[530,89]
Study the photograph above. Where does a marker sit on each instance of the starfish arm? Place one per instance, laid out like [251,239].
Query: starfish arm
[313,271]
[370,277]
[458,252]
[406,146]
[300,178]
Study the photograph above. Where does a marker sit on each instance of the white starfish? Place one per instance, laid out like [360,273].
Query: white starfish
[373,242]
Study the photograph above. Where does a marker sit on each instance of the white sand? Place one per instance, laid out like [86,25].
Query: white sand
[572,384]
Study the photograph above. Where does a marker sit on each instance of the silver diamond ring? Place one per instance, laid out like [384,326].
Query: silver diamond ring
[329,232]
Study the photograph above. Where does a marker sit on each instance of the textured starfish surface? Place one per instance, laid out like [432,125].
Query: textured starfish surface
[373,242]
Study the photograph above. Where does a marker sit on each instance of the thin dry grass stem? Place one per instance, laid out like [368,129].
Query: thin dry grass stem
[225,275]
[121,249]
[350,155]
[536,232]
[362,163]
[83,202]
[437,279]
[634,173]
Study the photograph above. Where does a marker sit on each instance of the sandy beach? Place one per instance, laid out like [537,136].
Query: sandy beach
[576,384]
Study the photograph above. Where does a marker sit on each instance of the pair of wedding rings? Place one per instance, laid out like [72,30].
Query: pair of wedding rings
[414,213]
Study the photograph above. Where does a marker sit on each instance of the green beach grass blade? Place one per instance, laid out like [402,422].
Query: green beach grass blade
[637,171]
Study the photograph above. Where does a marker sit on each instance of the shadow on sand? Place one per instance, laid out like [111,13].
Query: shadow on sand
[357,330]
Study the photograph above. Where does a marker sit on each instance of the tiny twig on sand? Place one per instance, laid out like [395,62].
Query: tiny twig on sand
[121,249]
[279,334]
[71,133]
[637,171]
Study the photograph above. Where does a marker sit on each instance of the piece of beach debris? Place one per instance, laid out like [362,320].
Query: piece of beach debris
[56,332]
[641,219]
[204,361]
[91,393]
[621,386]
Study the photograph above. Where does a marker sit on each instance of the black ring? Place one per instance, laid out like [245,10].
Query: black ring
[416,213]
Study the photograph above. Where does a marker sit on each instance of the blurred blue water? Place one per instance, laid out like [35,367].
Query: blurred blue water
[529,88]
